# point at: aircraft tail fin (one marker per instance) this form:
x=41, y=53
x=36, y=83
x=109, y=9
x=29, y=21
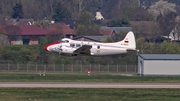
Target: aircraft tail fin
x=129, y=41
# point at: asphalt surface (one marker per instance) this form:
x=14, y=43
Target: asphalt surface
x=85, y=85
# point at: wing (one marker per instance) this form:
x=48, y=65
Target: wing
x=85, y=49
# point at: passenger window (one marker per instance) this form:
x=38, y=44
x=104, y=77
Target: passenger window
x=72, y=45
x=78, y=45
x=98, y=47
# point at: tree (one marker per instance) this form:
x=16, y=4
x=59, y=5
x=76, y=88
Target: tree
x=43, y=55
x=17, y=11
x=42, y=23
x=61, y=13
x=12, y=31
x=161, y=7
x=167, y=22
x=76, y=7
x=174, y=1
x=56, y=33
x=148, y=29
x=86, y=26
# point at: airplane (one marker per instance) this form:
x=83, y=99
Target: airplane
x=73, y=47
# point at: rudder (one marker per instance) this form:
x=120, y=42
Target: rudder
x=129, y=40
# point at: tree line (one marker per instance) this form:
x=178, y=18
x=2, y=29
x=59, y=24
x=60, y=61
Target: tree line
x=40, y=9
x=37, y=54
x=119, y=12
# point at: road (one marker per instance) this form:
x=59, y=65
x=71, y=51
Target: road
x=85, y=85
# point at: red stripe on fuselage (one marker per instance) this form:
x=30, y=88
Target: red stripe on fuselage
x=51, y=44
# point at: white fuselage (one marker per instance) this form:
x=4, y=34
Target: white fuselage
x=97, y=48
x=74, y=47
x=102, y=48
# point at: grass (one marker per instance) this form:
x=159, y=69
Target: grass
x=67, y=94
x=86, y=94
x=81, y=77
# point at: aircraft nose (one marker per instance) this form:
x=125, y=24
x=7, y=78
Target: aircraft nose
x=50, y=46
x=47, y=48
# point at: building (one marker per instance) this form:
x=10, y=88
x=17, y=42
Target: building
x=99, y=16
x=108, y=32
x=117, y=29
x=159, y=64
x=91, y=38
x=24, y=34
x=19, y=21
x=30, y=34
x=103, y=34
x=62, y=28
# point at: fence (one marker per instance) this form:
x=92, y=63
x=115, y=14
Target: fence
x=68, y=68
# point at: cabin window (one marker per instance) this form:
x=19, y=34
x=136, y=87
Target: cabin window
x=78, y=45
x=98, y=47
x=64, y=41
x=72, y=45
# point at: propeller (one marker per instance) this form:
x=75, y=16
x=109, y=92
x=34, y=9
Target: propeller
x=60, y=50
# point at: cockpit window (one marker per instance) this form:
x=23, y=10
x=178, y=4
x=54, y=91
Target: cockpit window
x=64, y=41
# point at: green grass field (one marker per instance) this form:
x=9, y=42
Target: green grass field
x=81, y=77
x=80, y=94
x=67, y=94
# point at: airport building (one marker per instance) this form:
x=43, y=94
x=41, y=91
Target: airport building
x=159, y=64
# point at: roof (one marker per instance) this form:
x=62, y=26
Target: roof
x=107, y=32
x=71, y=23
x=1, y=26
x=62, y=27
x=117, y=29
x=160, y=56
x=93, y=38
x=33, y=30
x=30, y=30
x=25, y=22
x=100, y=22
x=11, y=21
x=19, y=21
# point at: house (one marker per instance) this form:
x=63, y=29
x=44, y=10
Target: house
x=25, y=22
x=62, y=28
x=91, y=38
x=99, y=16
x=19, y=21
x=70, y=23
x=117, y=29
x=174, y=34
x=158, y=64
x=29, y=35
x=108, y=32
x=101, y=22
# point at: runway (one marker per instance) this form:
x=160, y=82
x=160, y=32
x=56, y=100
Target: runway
x=85, y=85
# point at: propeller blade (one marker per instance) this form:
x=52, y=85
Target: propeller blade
x=60, y=50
